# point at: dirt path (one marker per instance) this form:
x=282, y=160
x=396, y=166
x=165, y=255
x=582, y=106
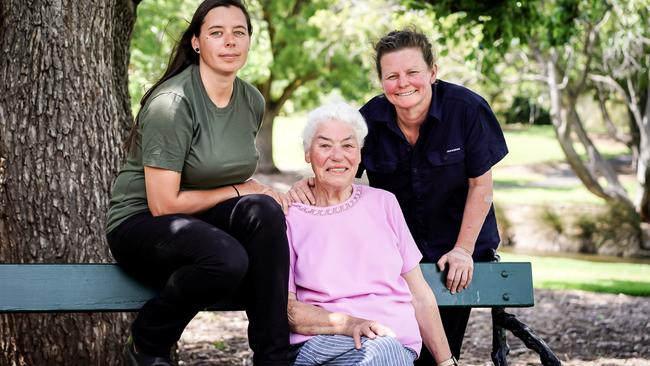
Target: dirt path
x=583, y=328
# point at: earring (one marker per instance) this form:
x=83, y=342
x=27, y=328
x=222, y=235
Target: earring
x=197, y=50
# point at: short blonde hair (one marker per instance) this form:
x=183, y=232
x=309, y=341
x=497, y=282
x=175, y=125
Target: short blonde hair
x=339, y=111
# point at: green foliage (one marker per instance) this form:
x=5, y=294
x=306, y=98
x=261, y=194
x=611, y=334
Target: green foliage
x=158, y=25
x=525, y=110
x=587, y=228
x=618, y=226
x=551, y=219
x=220, y=345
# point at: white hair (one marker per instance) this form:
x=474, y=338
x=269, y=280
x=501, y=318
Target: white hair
x=338, y=111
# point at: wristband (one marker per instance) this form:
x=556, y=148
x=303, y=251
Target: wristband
x=450, y=362
x=236, y=190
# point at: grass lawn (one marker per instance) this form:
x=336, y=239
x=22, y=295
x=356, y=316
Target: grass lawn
x=567, y=273
x=538, y=144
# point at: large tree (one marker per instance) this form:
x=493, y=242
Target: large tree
x=64, y=110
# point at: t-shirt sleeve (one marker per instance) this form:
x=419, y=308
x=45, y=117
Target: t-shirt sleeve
x=167, y=129
x=292, y=259
x=485, y=143
x=409, y=251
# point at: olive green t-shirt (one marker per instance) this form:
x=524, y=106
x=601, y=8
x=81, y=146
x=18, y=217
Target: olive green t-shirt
x=181, y=129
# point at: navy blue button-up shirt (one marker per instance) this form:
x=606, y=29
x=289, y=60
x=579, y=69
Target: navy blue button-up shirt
x=460, y=139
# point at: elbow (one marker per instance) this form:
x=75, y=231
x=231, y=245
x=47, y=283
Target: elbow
x=426, y=300
x=159, y=209
x=292, y=315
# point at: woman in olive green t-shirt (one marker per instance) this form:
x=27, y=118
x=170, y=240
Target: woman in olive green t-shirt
x=184, y=214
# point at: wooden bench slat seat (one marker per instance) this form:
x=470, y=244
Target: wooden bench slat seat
x=105, y=287
x=54, y=288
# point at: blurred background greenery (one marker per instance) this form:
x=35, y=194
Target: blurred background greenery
x=568, y=80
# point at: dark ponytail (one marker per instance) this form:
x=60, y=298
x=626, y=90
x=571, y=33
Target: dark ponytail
x=183, y=55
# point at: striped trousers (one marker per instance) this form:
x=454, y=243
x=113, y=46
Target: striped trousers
x=339, y=350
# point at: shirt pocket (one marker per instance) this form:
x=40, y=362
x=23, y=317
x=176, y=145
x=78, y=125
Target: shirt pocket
x=386, y=174
x=378, y=165
x=448, y=167
x=437, y=158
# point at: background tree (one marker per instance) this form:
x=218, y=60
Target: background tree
x=312, y=48
x=64, y=110
x=302, y=51
x=569, y=51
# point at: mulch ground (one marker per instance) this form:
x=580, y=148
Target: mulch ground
x=582, y=328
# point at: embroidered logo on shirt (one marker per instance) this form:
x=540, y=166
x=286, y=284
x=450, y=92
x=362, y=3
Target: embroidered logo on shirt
x=453, y=150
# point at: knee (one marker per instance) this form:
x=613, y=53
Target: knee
x=383, y=350
x=233, y=265
x=260, y=209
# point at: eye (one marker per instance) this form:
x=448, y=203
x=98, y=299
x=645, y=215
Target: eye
x=216, y=34
x=414, y=72
x=391, y=77
x=349, y=146
x=324, y=146
x=240, y=34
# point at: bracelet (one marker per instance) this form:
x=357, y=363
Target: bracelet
x=450, y=362
x=236, y=190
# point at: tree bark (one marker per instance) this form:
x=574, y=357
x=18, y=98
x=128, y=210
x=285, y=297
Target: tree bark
x=264, y=142
x=64, y=111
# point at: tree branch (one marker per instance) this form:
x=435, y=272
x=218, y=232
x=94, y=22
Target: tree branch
x=293, y=85
x=611, y=128
x=297, y=8
x=590, y=41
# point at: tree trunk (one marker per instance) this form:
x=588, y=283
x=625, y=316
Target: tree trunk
x=642, y=200
x=64, y=111
x=264, y=142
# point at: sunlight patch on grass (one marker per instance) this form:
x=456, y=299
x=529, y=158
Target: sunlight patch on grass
x=288, y=154
x=568, y=273
x=538, y=144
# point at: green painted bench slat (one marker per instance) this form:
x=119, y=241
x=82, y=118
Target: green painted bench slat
x=105, y=287
x=508, y=284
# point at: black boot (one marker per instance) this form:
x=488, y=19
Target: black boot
x=134, y=358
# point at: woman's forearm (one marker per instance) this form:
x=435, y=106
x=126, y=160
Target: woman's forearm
x=477, y=206
x=313, y=320
x=427, y=315
x=431, y=330
x=194, y=201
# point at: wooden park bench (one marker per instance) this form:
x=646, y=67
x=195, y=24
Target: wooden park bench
x=51, y=288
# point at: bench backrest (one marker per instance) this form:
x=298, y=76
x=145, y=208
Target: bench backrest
x=105, y=287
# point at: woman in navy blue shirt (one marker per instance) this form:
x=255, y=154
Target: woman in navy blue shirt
x=433, y=144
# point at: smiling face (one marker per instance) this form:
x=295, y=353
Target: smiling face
x=406, y=79
x=224, y=41
x=334, y=155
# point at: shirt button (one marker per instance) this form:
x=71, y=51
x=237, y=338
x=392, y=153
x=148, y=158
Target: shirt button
x=445, y=157
x=415, y=170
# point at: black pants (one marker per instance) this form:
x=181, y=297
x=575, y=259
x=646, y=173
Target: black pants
x=454, y=320
x=238, y=247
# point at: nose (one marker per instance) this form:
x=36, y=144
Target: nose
x=337, y=153
x=402, y=81
x=229, y=40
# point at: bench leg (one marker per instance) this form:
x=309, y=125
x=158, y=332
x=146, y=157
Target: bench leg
x=502, y=320
x=500, y=347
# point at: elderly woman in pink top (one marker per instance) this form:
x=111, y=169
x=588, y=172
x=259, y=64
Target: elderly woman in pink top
x=356, y=292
